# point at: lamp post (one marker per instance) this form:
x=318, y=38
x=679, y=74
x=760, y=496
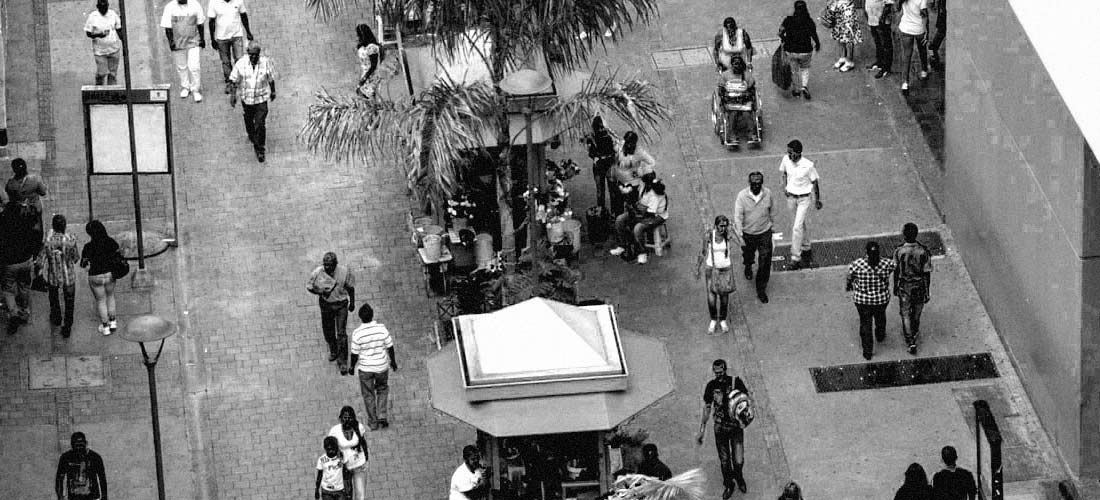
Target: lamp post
x=141, y=276
x=527, y=83
x=144, y=329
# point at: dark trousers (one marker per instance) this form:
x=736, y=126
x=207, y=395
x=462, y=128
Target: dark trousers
x=867, y=314
x=69, y=294
x=600, y=166
x=730, y=441
x=941, y=32
x=255, y=123
x=911, y=299
x=760, y=246
x=884, y=46
x=334, y=326
x=375, y=388
x=631, y=230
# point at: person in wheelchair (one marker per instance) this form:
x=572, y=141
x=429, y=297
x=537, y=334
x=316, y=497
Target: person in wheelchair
x=737, y=91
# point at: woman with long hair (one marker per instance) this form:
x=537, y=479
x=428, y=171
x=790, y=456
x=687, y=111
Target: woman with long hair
x=916, y=485
x=369, y=52
x=845, y=30
x=716, y=256
x=791, y=492
x=349, y=436
x=731, y=42
x=798, y=34
x=59, y=257
x=97, y=256
x=913, y=29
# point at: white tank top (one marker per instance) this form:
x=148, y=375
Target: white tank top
x=731, y=47
x=718, y=255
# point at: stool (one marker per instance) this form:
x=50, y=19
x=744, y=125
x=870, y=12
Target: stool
x=658, y=239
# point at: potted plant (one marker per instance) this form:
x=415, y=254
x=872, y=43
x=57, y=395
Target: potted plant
x=460, y=209
x=629, y=440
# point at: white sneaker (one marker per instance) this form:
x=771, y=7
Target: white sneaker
x=105, y=329
x=710, y=328
x=197, y=95
x=838, y=63
x=184, y=93
x=923, y=75
x=725, y=326
x=617, y=251
x=113, y=325
x=643, y=258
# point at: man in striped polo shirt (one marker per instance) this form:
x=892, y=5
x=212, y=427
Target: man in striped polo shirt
x=372, y=356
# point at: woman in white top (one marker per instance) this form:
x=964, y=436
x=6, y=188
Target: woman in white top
x=716, y=256
x=913, y=28
x=370, y=55
x=349, y=435
x=732, y=42
x=633, y=163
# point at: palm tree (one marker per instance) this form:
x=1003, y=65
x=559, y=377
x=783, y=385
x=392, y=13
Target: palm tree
x=429, y=132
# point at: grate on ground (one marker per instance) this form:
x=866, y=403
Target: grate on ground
x=843, y=252
x=903, y=372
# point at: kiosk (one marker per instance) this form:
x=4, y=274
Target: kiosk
x=543, y=382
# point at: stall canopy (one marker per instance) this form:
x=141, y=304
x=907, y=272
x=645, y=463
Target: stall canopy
x=548, y=368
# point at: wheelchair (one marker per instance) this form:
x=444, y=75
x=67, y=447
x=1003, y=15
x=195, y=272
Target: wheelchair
x=733, y=102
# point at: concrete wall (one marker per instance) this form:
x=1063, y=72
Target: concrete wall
x=1090, y=330
x=1015, y=203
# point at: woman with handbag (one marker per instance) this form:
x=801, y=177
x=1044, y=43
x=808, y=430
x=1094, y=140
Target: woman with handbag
x=59, y=257
x=349, y=436
x=798, y=33
x=100, y=256
x=840, y=17
x=716, y=256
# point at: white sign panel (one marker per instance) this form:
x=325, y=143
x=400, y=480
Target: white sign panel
x=111, y=138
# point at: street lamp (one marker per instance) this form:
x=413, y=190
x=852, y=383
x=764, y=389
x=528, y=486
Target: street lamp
x=144, y=329
x=528, y=83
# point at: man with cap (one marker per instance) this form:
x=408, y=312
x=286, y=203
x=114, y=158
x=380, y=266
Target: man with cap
x=253, y=80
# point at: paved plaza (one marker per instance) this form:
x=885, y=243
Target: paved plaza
x=246, y=389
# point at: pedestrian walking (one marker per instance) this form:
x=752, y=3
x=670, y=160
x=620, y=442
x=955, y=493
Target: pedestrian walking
x=953, y=482
x=182, y=21
x=58, y=263
x=468, y=481
x=652, y=465
x=80, y=472
x=103, y=27
x=802, y=187
x=916, y=485
x=98, y=256
x=25, y=189
x=940, y=6
x=716, y=256
x=330, y=472
x=349, y=437
x=228, y=30
x=732, y=42
x=791, y=492
x=253, y=78
x=868, y=279
x=753, y=218
x=372, y=358
x=879, y=13
x=334, y=286
x=370, y=55
x=642, y=217
x=840, y=17
x=20, y=242
x=798, y=35
x=729, y=436
x=913, y=29
x=912, y=281
x=601, y=149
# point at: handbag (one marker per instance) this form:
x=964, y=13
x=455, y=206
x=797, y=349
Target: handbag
x=721, y=280
x=827, y=17
x=781, y=69
x=118, y=265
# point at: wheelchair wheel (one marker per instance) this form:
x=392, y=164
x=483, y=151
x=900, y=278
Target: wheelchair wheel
x=715, y=107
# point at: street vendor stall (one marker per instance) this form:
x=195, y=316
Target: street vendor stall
x=543, y=382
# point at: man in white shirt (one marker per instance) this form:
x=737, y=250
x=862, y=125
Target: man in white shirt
x=228, y=29
x=469, y=481
x=182, y=21
x=802, y=187
x=103, y=27
x=649, y=212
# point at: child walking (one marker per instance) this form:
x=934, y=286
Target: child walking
x=330, y=472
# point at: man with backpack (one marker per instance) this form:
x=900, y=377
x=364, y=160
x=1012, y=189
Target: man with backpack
x=729, y=427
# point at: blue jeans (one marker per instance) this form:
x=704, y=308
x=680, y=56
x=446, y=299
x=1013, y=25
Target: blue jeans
x=15, y=283
x=230, y=51
x=375, y=388
x=631, y=230
x=730, y=440
x=907, y=43
x=800, y=67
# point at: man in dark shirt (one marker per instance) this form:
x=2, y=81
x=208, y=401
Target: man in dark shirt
x=953, y=482
x=912, y=278
x=601, y=148
x=729, y=437
x=652, y=465
x=20, y=241
x=80, y=473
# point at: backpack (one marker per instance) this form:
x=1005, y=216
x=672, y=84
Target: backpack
x=740, y=405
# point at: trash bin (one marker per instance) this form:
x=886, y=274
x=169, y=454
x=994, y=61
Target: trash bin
x=599, y=224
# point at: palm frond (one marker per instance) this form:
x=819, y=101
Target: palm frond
x=556, y=27
x=347, y=127
x=684, y=486
x=635, y=102
x=329, y=9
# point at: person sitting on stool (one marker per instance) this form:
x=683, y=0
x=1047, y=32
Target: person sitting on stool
x=650, y=211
